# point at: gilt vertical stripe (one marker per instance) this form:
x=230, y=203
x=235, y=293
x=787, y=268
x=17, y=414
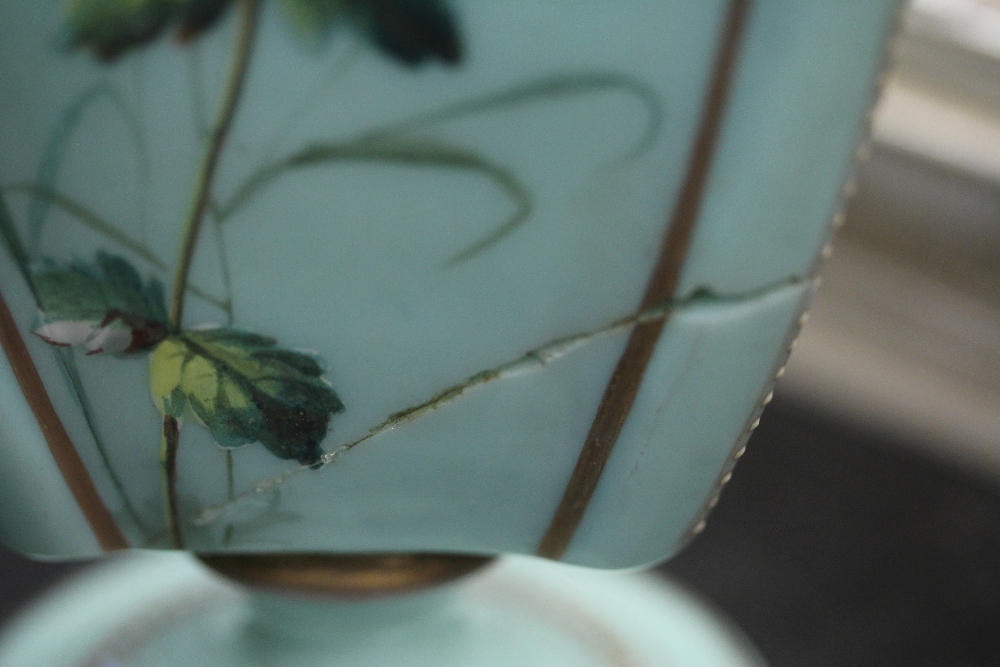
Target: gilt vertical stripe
x=623, y=386
x=108, y=535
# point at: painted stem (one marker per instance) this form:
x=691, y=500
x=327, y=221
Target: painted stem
x=200, y=201
x=227, y=535
x=213, y=152
x=169, y=440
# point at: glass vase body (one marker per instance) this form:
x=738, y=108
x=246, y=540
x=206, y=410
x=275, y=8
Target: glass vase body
x=517, y=278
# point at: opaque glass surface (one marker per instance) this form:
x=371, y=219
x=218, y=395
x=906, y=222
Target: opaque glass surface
x=455, y=253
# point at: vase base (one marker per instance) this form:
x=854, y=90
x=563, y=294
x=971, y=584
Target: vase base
x=345, y=576
x=154, y=610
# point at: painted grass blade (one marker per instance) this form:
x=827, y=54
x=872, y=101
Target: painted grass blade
x=67, y=363
x=417, y=153
x=539, y=90
x=58, y=145
x=92, y=220
x=15, y=247
x=88, y=218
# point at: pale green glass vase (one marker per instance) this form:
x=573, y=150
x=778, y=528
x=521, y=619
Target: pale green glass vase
x=350, y=277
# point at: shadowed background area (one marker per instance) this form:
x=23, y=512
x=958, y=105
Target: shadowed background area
x=838, y=546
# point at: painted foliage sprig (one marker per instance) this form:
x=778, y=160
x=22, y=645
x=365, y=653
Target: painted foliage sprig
x=239, y=385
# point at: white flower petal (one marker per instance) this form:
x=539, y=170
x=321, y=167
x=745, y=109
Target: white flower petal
x=67, y=332
x=114, y=340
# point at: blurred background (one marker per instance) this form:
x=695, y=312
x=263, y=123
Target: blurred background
x=863, y=525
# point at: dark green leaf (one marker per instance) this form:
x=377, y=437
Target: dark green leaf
x=244, y=389
x=111, y=27
x=411, y=31
x=198, y=16
x=103, y=306
x=301, y=363
x=82, y=291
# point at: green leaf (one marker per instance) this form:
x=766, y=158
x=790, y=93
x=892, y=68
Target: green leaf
x=243, y=389
x=111, y=27
x=103, y=306
x=197, y=16
x=409, y=31
x=82, y=291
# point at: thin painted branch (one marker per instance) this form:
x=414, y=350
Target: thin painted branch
x=542, y=89
x=169, y=441
x=408, y=152
x=200, y=203
x=216, y=141
x=227, y=535
x=88, y=218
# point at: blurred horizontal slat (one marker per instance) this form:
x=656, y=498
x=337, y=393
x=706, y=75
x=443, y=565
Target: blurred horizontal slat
x=905, y=332
x=891, y=349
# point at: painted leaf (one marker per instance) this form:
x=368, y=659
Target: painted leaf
x=112, y=27
x=103, y=307
x=196, y=16
x=411, y=31
x=244, y=389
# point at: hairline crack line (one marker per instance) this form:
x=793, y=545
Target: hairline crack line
x=534, y=359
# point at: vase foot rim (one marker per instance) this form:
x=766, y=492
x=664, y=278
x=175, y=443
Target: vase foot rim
x=349, y=576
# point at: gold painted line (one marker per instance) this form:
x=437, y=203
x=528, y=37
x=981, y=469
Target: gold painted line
x=566, y=615
x=139, y=629
x=108, y=535
x=621, y=391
